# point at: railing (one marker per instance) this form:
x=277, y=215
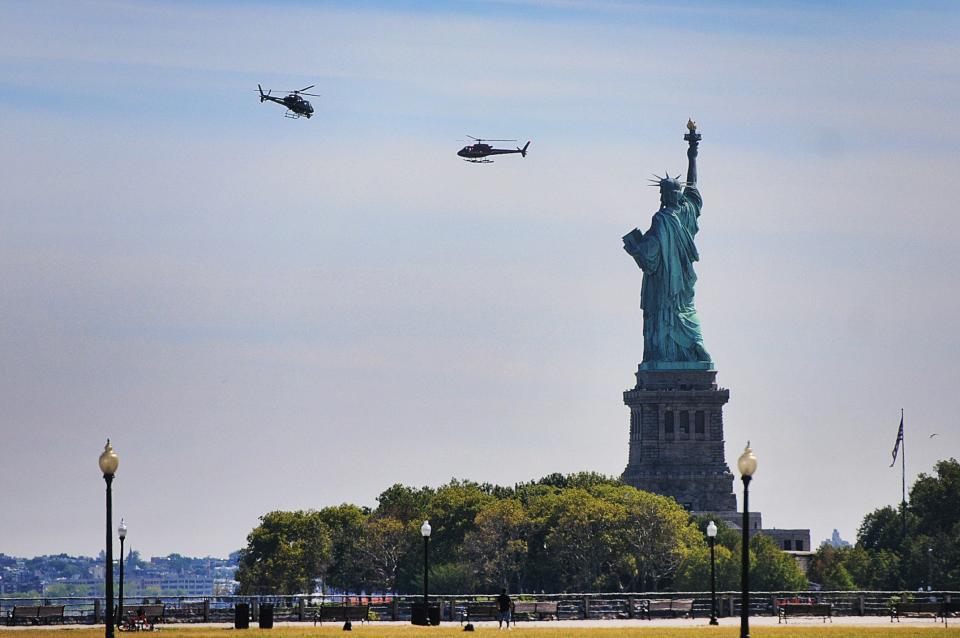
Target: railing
x=599, y=606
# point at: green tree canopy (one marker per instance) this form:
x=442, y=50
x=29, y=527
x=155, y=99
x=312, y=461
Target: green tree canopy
x=496, y=547
x=285, y=554
x=935, y=500
x=578, y=532
x=773, y=569
x=406, y=504
x=452, y=511
x=346, y=523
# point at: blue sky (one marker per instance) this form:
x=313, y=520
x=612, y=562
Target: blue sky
x=235, y=298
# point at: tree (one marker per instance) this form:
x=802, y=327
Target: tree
x=659, y=535
x=772, y=569
x=828, y=569
x=608, y=537
x=496, y=549
x=935, y=500
x=386, y=542
x=694, y=571
x=451, y=578
x=346, y=523
x=858, y=565
x=452, y=511
x=540, y=503
x=285, y=554
x=884, y=572
x=405, y=504
x=583, y=539
x=883, y=529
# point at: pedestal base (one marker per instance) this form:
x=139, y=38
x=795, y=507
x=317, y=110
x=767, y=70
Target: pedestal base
x=676, y=438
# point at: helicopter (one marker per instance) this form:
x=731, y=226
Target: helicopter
x=478, y=152
x=296, y=105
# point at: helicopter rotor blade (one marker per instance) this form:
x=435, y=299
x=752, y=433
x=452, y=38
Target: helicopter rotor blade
x=306, y=88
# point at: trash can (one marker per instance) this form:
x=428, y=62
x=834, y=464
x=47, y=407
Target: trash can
x=266, y=616
x=418, y=614
x=241, y=616
x=422, y=615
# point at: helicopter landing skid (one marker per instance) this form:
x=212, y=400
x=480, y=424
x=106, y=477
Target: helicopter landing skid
x=479, y=161
x=292, y=115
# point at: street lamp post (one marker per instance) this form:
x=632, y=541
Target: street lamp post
x=425, y=532
x=712, y=539
x=122, y=533
x=108, y=465
x=747, y=464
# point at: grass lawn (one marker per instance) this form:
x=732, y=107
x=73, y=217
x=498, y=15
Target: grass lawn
x=409, y=631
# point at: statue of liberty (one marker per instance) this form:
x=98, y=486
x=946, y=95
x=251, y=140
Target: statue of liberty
x=665, y=253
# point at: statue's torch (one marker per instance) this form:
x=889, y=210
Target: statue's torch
x=692, y=137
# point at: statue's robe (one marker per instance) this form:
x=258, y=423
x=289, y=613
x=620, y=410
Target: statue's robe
x=665, y=253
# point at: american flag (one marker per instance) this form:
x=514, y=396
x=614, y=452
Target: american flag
x=896, y=446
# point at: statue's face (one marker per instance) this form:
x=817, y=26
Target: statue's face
x=669, y=197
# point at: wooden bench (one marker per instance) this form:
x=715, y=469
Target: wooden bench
x=152, y=612
x=786, y=610
x=35, y=614
x=669, y=606
x=480, y=611
x=535, y=609
x=48, y=613
x=341, y=613
x=916, y=610
x=22, y=612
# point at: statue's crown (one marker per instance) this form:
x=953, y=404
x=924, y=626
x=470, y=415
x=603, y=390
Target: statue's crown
x=667, y=183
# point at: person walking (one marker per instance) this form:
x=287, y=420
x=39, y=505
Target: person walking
x=504, y=605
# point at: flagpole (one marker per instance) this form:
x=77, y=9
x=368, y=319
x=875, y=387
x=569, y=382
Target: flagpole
x=903, y=478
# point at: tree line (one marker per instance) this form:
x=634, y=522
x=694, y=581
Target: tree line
x=563, y=533
x=901, y=548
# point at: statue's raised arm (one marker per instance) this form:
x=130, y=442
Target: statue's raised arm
x=693, y=138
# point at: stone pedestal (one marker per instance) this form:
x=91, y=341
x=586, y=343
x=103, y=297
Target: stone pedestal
x=676, y=438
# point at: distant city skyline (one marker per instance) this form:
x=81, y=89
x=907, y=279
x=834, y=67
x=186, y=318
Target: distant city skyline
x=61, y=575
x=264, y=313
